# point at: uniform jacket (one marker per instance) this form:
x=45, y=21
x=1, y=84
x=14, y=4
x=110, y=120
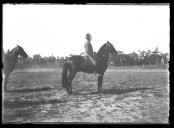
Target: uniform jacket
x=88, y=49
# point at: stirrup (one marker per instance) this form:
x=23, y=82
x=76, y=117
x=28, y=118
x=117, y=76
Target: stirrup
x=97, y=74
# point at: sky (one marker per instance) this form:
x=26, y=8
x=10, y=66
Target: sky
x=60, y=30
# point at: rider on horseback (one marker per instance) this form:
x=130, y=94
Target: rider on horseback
x=89, y=52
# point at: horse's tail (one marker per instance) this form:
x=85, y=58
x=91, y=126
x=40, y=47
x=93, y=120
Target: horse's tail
x=64, y=74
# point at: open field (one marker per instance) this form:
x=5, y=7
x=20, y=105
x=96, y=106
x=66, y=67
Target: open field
x=130, y=94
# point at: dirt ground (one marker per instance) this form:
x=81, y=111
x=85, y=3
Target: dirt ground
x=130, y=95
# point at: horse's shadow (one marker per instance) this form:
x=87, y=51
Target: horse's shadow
x=30, y=90
x=114, y=91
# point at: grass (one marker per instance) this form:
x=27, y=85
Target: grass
x=130, y=95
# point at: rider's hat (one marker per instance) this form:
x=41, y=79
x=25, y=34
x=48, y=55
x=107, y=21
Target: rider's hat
x=88, y=36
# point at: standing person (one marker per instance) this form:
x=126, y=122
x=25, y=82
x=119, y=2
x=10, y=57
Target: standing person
x=89, y=52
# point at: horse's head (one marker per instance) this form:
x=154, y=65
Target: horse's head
x=110, y=48
x=21, y=52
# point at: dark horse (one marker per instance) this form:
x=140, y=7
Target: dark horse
x=79, y=63
x=9, y=62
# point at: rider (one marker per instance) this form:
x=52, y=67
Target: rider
x=89, y=52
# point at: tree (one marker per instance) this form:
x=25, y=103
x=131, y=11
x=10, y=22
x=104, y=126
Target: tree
x=37, y=59
x=156, y=50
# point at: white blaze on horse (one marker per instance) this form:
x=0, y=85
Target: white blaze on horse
x=9, y=62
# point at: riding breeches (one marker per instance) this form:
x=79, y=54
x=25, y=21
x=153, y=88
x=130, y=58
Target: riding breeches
x=93, y=61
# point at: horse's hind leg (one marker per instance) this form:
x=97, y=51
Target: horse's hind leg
x=3, y=96
x=70, y=79
x=3, y=86
x=5, y=80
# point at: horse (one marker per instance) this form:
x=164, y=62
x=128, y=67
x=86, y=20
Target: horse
x=9, y=62
x=79, y=63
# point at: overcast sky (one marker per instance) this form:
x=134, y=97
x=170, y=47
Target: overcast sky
x=60, y=29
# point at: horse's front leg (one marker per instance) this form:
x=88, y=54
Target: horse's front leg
x=100, y=80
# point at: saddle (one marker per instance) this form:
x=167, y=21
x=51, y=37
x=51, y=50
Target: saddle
x=87, y=59
x=95, y=55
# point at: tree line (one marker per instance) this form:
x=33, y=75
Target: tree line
x=138, y=59
x=122, y=59
x=36, y=61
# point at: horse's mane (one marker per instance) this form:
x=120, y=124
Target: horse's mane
x=11, y=52
x=102, y=48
